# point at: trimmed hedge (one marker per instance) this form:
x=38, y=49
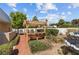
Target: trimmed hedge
x=36, y=45
x=66, y=26
x=7, y=49
x=15, y=41
x=52, y=32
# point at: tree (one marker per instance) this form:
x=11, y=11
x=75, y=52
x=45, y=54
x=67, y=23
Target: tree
x=34, y=18
x=61, y=22
x=75, y=22
x=67, y=24
x=17, y=19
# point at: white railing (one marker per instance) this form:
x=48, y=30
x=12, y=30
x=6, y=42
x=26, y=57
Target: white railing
x=61, y=30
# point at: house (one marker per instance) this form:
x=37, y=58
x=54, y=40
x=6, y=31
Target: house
x=5, y=25
x=6, y=33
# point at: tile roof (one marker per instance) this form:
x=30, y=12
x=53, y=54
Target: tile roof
x=4, y=17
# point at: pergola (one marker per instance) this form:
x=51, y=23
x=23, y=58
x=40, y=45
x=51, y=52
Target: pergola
x=38, y=24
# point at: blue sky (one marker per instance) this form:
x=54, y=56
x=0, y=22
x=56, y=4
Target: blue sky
x=52, y=11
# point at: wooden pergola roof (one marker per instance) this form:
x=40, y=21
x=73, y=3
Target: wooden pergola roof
x=35, y=23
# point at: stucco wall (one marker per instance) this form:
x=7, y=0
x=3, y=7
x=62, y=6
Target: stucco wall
x=5, y=27
x=10, y=35
x=3, y=38
x=6, y=36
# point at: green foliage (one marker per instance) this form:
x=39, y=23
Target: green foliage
x=30, y=26
x=17, y=19
x=15, y=41
x=66, y=25
x=36, y=45
x=61, y=21
x=34, y=18
x=57, y=39
x=7, y=49
x=52, y=32
x=65, y=50
x=75, y=22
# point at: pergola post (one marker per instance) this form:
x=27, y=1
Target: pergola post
x=26, y=27
x=45, y=32
x=36, y=38
x=45, y=29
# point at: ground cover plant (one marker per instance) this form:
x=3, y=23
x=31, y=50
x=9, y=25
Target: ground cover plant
x=7, y=48
x=36, y=45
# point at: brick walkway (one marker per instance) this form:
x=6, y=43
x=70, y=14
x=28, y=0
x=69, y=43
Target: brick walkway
x=23, y=46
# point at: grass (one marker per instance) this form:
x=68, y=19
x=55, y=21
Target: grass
x=15, y=41
x=36, y=45
x=7, y=48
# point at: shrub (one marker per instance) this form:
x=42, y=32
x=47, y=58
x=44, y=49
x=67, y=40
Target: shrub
x=52, y=32
x=58, y=39
x=65, y=50
x=7, y=49
x=36, y=45
x=55, y=39
x=67, y=25
x=15, y=41
x=30, y=26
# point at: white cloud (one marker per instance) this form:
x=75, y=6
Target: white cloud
x=69, y=7
x=12, y=4
x=25, y=10
x=46, y=6
x=14, y=9
x=39, y=6
x=27, y=16
x=30, y=3
x=63, y=13
x=75, y=5
x=42, y=18
x=69, y=13
x=50, y=6
x=52, y=18
x=63, y=17
x=43, y=11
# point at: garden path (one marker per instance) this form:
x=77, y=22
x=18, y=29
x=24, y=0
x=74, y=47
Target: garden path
x=23, y=46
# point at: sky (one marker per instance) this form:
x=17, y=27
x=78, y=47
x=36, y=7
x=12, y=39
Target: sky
x=51, y=11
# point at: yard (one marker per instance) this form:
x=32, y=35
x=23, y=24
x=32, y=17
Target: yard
x=49, y=46
x=55, y=50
